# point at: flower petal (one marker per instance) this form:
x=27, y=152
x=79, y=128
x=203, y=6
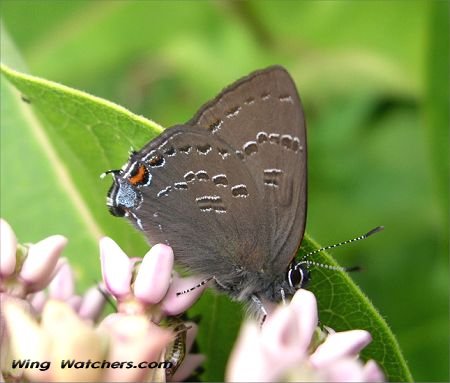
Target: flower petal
x=8, y=244
x=92, y=304
x=343, y=370
x=133, y=338
x=372, y=372
x=174, y=304
x=248, y=362
x=74, y=302
x=38, y=267
x=153, y=278
x=71, y=338
x=28, y=340
x=188, y=366
x=305, y=304
x=116, y=268
x=281, y=339
x=38, y=300
x=346, y=344
x=62, y=285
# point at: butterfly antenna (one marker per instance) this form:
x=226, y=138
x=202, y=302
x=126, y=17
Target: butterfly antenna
x=328, y=267
x=106, y=296
x=361, y=237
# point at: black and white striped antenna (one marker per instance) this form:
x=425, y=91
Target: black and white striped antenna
x=361, y=237
x=303, y=260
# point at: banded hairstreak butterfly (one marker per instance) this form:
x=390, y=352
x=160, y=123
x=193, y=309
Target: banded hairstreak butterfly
x=227, y=189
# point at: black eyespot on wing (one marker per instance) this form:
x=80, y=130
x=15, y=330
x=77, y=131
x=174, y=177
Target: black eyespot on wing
x=239, y=191
x=286, y=141
x=262, y=137
x=298, y=276
x=295, y=277
x=170, y=151
x=156, y=160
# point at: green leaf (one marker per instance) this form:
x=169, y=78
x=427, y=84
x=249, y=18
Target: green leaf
x=31, y=188
x=343, y=306
x=437, y=112
x=84, y=136
x=89, y=135
x=220, y=319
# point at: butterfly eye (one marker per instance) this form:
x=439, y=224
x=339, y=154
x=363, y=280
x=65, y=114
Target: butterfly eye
x=114, y=208
x=297, y=276
x=117, y=211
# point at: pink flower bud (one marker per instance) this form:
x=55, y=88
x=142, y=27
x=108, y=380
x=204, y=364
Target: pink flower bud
x=340, y=345
x=62, y=286
x=174, y=304
x=92, y=304
x=116, y=268
x=39, y=265
x=8, y=244
x=153, y=278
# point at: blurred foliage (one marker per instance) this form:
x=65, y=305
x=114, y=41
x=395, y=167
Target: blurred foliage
x=373, y=77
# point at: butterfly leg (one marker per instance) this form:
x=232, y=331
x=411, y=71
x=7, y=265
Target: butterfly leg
x=195, y=287
x=138, y=220
x=261, y=308
x=283, y=296
x=221, y=285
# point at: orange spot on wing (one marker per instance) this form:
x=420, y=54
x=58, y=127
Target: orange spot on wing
x=139, y=176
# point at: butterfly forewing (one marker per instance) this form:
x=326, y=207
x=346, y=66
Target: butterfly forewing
x=262, y=119
x=201, y=201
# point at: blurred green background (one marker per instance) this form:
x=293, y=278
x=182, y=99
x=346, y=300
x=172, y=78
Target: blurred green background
x=373, y=77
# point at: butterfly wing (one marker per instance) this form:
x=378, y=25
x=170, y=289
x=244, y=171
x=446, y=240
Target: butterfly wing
x=261, y=118
x=201, y=201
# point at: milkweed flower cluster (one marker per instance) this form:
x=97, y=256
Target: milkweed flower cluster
x=148, y=287
x=45, y=321
x=152, y=289
x=291, y=347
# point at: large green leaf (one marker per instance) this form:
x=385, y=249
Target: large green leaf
x=84, y=136
x=89, y=135
x=32, y=187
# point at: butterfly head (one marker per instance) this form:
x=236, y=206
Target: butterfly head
x=123, y=196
